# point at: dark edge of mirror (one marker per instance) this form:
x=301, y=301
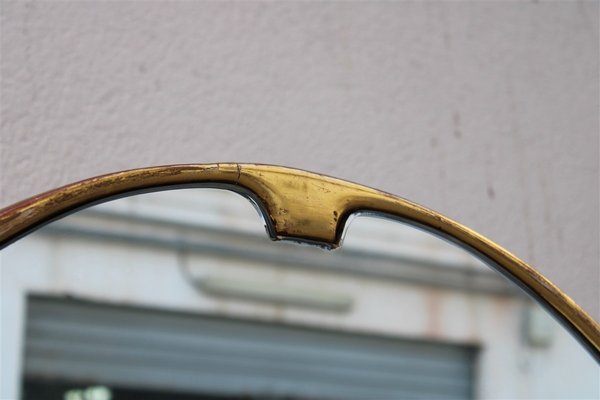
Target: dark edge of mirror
x=493, y=265
x=247, y=194
x=341, y=228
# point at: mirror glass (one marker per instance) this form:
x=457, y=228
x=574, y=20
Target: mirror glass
x=182, y=295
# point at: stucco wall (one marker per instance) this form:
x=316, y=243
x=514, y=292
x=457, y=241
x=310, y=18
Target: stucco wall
x=487, y=112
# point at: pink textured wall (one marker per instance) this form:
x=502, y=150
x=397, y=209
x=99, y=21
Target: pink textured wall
x=486, y=112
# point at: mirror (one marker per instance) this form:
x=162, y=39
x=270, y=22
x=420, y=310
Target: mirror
x=181, y=294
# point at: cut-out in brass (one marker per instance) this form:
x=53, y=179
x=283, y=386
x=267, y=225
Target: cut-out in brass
x=301, y=206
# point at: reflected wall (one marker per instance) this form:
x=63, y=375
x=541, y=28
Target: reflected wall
x=185, y=293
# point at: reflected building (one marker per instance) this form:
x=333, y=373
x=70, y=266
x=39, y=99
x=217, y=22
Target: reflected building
x=181, y=294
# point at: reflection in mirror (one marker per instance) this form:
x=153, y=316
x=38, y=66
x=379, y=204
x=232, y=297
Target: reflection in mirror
x=181, y=294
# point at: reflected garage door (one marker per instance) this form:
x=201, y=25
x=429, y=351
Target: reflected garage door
x=79, y=349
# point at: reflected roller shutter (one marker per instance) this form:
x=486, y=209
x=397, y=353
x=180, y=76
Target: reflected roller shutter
x=140, y=348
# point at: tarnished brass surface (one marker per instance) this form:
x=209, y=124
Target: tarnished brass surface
x=299, y=205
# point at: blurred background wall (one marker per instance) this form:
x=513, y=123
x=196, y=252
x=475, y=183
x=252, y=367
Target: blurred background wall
x=486, y=112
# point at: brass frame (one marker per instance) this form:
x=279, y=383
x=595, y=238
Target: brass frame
x=297, y=205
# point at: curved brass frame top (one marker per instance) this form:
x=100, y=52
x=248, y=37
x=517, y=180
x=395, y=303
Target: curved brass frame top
x=301, y=206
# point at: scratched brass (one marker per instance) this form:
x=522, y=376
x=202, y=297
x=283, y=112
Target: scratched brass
x=299, y=205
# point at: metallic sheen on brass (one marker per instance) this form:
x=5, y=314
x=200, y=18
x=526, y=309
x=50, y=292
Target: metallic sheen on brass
x=299, y=205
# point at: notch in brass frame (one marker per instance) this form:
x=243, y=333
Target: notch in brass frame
x=297, y=205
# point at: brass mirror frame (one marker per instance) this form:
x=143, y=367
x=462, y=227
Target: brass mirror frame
x=297, y=205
